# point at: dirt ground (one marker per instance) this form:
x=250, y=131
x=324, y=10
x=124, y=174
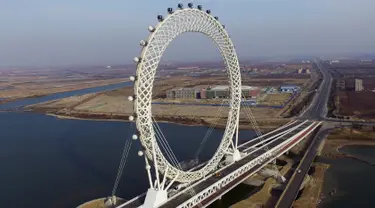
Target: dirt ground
x=115, y=104
x=25, y=89
x=357, y=104
x=263, y=197
x=310, y=197
x=275, y=99
x=99, y=203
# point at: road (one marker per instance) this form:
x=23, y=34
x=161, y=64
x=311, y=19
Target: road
x=318, y=107
x=291, y=191
x=198, y=187
x=316, y=111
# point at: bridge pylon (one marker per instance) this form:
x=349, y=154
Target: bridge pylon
x=234, y=155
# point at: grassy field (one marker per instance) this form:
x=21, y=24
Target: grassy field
x=275, y=99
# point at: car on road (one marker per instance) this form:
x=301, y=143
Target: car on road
x=299, y=171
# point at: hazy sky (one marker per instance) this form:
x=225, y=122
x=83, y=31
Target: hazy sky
x=68, y=32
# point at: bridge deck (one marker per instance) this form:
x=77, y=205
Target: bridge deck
x=255, y=141
x=278, y=135
x=185, y=194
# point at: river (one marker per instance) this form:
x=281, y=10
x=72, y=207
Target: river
x=49, y=162
x=29, y=101
x=349, y=182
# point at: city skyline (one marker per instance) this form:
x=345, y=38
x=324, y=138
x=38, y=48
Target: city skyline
x=51, y=33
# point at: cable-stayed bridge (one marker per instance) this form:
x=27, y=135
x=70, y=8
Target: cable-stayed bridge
x=254, y=158
x=171, y=185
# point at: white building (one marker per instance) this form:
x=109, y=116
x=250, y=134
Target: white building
x=358, y=85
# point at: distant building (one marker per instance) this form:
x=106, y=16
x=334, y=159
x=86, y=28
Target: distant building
x=358, y=85
x=249, y=102
x=341, y=84
x=223, y=92
x=254, y=93
x=183, y=93
x=303, y=71
x=289, y=88
x=334, y=62
x=369, y=61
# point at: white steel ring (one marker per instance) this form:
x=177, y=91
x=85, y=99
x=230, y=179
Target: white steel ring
x=181, y=21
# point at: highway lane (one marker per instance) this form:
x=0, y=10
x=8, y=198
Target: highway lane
x=275, y=133
x=318, y=107
x=138, y=201
x=317, y=111
x=185, y=195
x=291, y=191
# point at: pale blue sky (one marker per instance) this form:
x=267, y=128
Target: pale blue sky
x=69, y=32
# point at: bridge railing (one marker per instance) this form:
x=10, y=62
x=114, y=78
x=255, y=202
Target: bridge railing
x=269, y=156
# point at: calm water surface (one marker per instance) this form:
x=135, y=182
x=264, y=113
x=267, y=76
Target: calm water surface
x=353, y=180
x=48, y=162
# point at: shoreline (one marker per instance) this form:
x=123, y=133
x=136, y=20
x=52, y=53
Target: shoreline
x=364, y=143
x=354, y=157
x=173, y=120
x=60, y=91
x=27, y=97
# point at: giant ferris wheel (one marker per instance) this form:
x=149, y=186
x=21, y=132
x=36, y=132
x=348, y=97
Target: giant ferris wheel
x=177, y=23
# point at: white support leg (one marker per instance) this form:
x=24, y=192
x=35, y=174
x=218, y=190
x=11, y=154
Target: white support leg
x=148, y=167
x=155, y=164
x=235, y=155
x=158, y=191
x=238, y=124
x=154, y=198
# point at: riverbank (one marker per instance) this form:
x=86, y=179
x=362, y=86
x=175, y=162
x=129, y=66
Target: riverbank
x=330, y=151
x=20, y=94
x=311, y=195
x=264, y=126
x=344, y=137
x=264, y=197
x=113, y=105
x=20, y=98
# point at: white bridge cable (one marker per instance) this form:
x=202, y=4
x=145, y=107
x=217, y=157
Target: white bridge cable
x=167, y=149
x=209, y=131
x=165, y=145
x=123, y=161
x=250, y=115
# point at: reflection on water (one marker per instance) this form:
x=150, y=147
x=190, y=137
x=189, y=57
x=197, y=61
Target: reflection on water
x=349, y=182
